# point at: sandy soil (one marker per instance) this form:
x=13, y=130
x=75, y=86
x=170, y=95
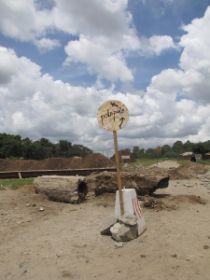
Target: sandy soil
x=167, y=164
x=64, y=241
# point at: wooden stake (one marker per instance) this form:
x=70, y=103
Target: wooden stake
x=119, y=183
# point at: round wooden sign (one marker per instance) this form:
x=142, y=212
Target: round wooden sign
x=112, y=115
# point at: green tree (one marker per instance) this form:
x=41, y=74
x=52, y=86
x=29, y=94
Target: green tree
x=199, y=149
x=165, y=150
x=136, y=152
x=10, y=145
x=178, y=147
x=188, y=146
x=150, y=153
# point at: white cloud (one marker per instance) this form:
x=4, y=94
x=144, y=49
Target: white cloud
x=191, y=80
x=20, y=19
x=26, y=21
x=46, y=44
x=175, y=105
x=100, y=29
x=36, y=105
x=99, y=59
x=105, y=31
x=107, y=18
x=196, y=42
x=157, y=44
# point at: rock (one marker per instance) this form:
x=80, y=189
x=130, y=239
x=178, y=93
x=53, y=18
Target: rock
x=118, y=245
x=145, y=182
x=123, y=233
x=71, y=189
x=74, y=199
x=149, y=202
x=41, y=209
x=130, y=220
x=107, y=231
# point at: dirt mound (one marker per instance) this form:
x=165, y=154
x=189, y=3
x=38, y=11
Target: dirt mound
x=143, y=183
x=192, y=199
x=171, y=202
x=90, y=161
x=96, y=160
x=187, y=171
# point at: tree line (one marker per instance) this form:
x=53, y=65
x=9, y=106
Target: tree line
x=171, y=151
x=14, y=146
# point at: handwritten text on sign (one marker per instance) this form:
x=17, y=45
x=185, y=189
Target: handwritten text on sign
x=112, y=115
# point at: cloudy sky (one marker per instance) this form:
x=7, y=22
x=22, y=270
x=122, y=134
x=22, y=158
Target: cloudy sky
x=61, y=59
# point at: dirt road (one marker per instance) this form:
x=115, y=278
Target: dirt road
x=64, y=241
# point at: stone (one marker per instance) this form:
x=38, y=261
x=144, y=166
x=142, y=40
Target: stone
x=74, y=199
x=107, y=231
x=130, y=220
x=70, y=189
x=149, y=201
x=118, y=245
x=122, y=233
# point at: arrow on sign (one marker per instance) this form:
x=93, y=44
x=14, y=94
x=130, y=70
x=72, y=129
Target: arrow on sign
x=121, y=122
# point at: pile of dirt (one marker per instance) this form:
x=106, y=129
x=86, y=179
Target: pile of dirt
x=96, y=160
x=143, y=182
x=170, y=202
x=189, y=170
x=90, y=161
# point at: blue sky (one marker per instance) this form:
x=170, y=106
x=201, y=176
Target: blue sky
x=61, y=59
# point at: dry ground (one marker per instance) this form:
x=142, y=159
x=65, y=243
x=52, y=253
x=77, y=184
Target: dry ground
x=64, y=241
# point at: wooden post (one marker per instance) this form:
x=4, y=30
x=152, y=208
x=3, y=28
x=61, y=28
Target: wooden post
x=113, y=115
x=119, y=183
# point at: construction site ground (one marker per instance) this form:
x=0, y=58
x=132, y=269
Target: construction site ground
x=41, y=239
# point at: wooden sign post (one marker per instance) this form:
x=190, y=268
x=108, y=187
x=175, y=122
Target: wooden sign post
x=113, y=115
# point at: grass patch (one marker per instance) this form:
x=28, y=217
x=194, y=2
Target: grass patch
x=205, y=162
x=14, y=183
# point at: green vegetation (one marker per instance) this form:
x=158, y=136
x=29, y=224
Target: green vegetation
x=14, y=183
x=172, y=152
x=13, y=146
x=206, y=162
